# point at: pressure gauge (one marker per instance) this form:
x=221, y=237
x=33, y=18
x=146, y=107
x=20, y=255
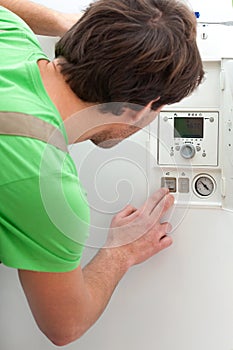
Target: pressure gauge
x=204, y=185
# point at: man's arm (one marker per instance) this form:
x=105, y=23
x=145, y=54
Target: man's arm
x=41, y=20
x=65, y=305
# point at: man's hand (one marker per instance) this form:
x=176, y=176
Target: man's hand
x=138, y=234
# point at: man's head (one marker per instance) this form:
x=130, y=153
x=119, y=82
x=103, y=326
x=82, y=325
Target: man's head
x=132, y=51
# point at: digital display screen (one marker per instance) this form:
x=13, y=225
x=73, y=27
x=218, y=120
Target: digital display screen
x=188, y=127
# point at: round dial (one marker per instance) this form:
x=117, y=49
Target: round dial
x=204, y=185
x=187, y=151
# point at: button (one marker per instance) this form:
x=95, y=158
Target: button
x=183, y=185
x=177, y=148
x=165, y=119
x=169, y=182
x=187, y=151
x=198, y=148
x=203, y=154
x=211, y=119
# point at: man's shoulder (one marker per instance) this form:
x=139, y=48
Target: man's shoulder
x=10, y=20
x=14, y=26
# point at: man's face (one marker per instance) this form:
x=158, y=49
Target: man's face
x=116, y=132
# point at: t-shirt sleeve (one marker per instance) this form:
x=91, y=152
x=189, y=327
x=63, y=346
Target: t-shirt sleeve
x=9, y=20
x=44, y=223
x=17, y=30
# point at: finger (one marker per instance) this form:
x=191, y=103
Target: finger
x=128, y=210
x=153, y=200
x=166, y=227
x=162, y=230
x=165, y=242
x=162, y=207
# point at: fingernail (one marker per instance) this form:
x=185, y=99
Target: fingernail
x=166, y=189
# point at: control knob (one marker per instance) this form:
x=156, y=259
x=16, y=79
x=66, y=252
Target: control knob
x=187, y=151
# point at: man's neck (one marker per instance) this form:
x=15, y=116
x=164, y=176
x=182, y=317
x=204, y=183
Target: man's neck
x=66, y=102
x=80, y=124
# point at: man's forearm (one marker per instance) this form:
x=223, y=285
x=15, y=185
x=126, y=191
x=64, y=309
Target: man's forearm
x=101, y=277
x=41, y=20
x=71, y=302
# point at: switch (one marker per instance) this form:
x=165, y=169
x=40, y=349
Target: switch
x=183, y=185
x=169, y=182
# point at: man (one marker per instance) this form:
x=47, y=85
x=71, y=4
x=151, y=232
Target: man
x=114, y=70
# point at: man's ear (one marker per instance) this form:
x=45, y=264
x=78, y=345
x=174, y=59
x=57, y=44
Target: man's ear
x=146, y=113
x=134, y=117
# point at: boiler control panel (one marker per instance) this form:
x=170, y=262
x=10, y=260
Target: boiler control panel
x=188, y=138
x=188, y=156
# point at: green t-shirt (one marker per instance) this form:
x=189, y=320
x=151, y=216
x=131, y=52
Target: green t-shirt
x=44, y=215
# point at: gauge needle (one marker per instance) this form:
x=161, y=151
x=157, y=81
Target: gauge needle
x=206, y=187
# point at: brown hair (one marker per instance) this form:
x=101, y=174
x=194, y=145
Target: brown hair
x=132, y=51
